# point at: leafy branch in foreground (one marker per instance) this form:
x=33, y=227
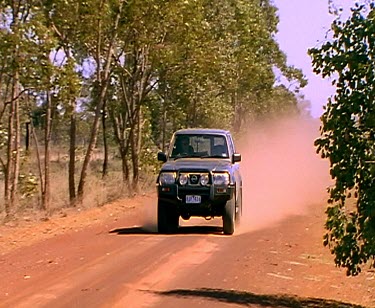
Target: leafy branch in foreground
x=347, y=138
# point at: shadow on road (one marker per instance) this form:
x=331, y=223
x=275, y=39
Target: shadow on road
x=248, y=298
x=181, y=230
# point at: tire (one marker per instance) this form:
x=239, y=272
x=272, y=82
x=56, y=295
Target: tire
x=167, y=219
x=229, y=217
x=239, y=208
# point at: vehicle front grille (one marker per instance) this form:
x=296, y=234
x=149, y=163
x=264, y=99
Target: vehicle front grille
x=194, y=179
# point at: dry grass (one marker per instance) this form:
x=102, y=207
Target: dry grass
x=98, y=191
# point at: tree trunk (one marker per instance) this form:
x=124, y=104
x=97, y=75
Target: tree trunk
x=72, y=156
x=103, y=92
x=27, y=137
x=125, y=167
x=17, y=142
x=13, y=150
x=136, y=143
x=9, y=162
x=41, y=177
x=105, y=143
x=119, y=122
x=164, y=126
x=92, y=142
x=134, y=158
x=47, y=138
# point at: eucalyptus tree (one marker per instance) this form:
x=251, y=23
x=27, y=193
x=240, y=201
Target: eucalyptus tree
x=143, y=51
x=26, y=37
x=347, y=138
x=224, y=55
x=64, y=20
x=188, y=91
x=10, y=33
x=69, y=88
x=139, y=48
x=39, y=74
x=87, y=32
x=282, y=101
x=251, y=56
x=99, y=43
x=5, y=86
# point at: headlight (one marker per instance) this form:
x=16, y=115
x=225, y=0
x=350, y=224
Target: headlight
x=167, y=178
x=204, y=179
x=221, y=179
x=183, y=179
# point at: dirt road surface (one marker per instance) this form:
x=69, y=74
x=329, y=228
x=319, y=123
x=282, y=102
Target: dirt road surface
x=112, y=257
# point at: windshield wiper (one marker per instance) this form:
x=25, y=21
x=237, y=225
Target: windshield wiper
x=213, y=156
x=194, y=155
x=181, y=156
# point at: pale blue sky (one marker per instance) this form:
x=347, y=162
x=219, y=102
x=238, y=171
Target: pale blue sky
x=304, y=24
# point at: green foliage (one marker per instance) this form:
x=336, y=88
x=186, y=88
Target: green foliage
x=167, y=64
x=347, y=138
x=280, y=102
x=218, y=60
x=67, y=84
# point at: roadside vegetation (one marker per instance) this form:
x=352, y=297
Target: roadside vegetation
x=91, y=90
x=348, y=135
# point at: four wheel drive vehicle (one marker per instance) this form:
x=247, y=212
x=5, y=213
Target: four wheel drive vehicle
x=200, y=177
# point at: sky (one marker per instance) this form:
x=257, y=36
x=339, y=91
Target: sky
x=303, y=25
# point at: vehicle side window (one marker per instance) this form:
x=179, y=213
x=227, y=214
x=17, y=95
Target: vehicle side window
x=231, y=144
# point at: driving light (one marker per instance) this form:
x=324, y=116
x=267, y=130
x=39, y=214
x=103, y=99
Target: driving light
x=167, y=178
x=221, y=179
x=204, y=179
x=183, y=179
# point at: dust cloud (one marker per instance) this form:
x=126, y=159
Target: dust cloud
x=282, y=174
x=149, y=215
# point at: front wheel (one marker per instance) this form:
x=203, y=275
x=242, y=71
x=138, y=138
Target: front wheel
x=167, y=218
x=229, y=217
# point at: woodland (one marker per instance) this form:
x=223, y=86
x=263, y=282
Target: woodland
x=96, y=88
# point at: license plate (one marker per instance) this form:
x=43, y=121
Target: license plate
x=193, y=199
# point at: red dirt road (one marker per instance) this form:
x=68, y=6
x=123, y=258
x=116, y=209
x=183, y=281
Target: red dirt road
x=111, y=257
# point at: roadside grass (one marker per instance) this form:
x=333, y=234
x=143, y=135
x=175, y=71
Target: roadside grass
x=98, y=190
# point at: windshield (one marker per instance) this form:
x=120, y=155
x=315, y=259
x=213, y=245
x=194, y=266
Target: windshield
x=204, y=146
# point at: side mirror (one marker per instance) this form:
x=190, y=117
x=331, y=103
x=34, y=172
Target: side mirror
x=236, y=158
x=162, y=157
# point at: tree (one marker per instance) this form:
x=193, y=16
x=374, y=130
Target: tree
x=347, y=138
x=62, y=18
x=103, y=57
x=25, y=46
x=86, y=31
x=217, y=66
